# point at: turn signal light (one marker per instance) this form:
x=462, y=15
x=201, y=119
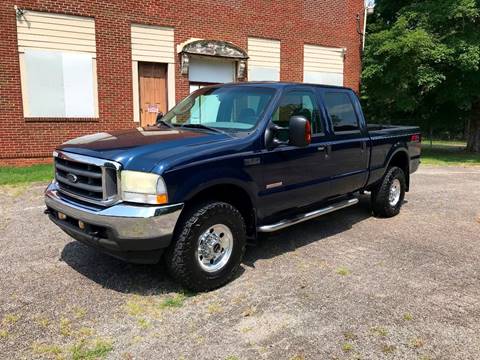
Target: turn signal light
x=162, y=199
x=308, y=132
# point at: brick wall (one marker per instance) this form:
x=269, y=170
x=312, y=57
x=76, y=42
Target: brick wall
x=293, y=22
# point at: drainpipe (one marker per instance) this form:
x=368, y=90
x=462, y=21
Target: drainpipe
x=369, y=8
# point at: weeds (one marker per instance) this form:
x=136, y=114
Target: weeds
x=343, y=271
x=97, y=349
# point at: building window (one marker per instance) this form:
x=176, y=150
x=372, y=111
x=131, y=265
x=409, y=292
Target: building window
x=264, y=60
x=59, y=84
x=57, y=65
x=323, y=65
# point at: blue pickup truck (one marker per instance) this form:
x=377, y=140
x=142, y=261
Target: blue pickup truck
x=225, y=164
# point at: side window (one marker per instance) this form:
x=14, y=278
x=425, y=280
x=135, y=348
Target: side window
x=298, y=103
x=341, y=111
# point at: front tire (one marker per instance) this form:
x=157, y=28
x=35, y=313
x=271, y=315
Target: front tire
x=208, y=246
x=388, y=197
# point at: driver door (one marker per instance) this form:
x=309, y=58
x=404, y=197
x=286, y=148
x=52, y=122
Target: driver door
x=290, y=177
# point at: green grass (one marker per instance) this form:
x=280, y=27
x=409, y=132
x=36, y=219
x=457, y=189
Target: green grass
x=175, y=301
x=446, y=153
x=96, y=350
x=10, y=175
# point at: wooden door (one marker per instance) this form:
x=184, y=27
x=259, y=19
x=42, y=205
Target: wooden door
x=153, y=91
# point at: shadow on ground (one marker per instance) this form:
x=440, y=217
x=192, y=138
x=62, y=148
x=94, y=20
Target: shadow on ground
x=123, y=277
x=275, y=244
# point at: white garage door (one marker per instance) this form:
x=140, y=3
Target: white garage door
x=323, y=65
x=211, y=70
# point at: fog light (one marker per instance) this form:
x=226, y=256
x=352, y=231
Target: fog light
x=62, y=216
x=81, y=225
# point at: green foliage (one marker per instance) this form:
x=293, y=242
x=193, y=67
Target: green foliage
x=422, y=62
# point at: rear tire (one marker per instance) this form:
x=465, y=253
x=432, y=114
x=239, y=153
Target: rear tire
x=208, y=246
x=388, y=197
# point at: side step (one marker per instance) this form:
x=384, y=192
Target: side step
x=307, y=216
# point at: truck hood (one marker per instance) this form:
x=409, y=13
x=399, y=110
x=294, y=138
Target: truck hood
x=141, y=149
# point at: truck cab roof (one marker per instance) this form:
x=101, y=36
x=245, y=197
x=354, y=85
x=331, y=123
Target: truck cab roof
x=280, y=85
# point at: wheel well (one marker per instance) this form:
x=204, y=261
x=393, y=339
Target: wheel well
x=233, y=195
x=401, y=160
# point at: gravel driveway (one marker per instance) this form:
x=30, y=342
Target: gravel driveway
x=344, y=286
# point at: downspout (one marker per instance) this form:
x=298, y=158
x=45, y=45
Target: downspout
x=368, y=10
x=364, y=27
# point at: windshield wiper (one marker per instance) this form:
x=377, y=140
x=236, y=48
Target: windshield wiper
x=164, y=123
x=201, y=126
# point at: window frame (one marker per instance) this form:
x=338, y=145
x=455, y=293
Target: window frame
x=327, y=113
x=313, y=93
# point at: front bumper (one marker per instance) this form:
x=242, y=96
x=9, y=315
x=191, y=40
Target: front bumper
x=134, y=233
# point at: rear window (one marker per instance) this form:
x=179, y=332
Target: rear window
x=341, y=111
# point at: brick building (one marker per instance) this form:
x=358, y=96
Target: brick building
x=69, y=68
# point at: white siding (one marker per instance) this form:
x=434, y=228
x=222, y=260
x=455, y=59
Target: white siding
x=323, y=65
x=264, y=59
x=153, y=44
x=47, y=31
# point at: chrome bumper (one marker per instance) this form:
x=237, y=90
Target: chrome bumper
x=124, y=221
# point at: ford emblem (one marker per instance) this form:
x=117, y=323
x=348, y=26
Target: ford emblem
x=72, y=178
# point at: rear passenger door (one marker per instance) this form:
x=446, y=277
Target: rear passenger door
x=349, y=151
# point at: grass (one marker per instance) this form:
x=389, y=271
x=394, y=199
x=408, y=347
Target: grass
x=99, y=349
x=347, y=347
x=144, y=323
x=10, y=319
x=65, y=327
x=379, y=331
x=388, y=349
x=175, y=301
x=444, y=153
x=350, y=336
x=343, y=271
x=47, y=349
x=10, y=175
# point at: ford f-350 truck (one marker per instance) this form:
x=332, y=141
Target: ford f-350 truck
x=225, y=164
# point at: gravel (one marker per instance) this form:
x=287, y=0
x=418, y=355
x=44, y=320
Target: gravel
x=344, y=286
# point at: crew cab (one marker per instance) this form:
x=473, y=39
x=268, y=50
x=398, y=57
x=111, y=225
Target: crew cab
x=225, y=164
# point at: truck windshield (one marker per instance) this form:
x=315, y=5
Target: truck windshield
x=226, y=108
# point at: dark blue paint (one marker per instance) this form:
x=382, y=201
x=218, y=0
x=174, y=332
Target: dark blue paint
x=194, y=160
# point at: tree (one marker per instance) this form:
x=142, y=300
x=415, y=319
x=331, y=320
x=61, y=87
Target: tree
x=422, y=63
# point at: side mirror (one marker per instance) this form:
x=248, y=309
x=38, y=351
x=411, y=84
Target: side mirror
x=159, y=117
x=300, y=132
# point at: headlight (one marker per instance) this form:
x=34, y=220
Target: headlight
x=141, y=187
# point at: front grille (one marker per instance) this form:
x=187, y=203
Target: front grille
x=86, y=178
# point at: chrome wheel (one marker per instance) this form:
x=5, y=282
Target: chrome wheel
x=395, y=191
x=214, y=248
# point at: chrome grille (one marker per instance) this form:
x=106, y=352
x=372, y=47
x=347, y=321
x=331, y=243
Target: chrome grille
x=86, y=178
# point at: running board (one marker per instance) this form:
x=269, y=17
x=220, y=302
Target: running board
x=307, y=216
